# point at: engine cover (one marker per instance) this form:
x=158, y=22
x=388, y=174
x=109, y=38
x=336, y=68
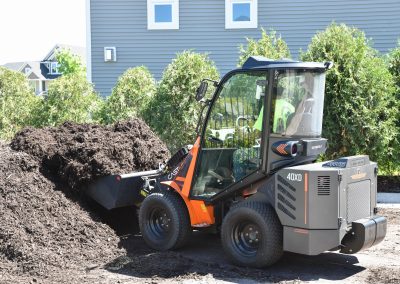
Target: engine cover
x=328, y=198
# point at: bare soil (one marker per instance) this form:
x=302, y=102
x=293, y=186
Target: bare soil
x=49, y=233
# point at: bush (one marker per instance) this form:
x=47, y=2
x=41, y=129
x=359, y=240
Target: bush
x=70, y=98
x=270, y=45
x=173, y=112
x=130, y=95
x=394, y=66
x=360, y=110
x=17, y=102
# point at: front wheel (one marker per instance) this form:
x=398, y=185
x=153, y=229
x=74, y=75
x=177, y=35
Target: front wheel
x=251, y=235
x=164, y=221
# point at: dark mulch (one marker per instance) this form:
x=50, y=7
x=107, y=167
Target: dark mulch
x=42, y=228
x=389, y=184
x=80, y=153
x=44, y=225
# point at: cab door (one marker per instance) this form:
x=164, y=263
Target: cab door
x=232, y=136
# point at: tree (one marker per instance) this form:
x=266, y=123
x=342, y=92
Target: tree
x=269, y=45
x=130, y=96
x=18, y=102
x=393, y=60
x=360, y=109
x=173, y=112
x=70, y=98
x=394, y=66
x=69, y=63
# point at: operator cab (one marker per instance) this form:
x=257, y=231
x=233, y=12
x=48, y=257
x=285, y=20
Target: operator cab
x=255, y=113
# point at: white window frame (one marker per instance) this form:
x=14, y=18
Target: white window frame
x=113, y=51
x=230, y=24
x=54, y=70
x=151, y=21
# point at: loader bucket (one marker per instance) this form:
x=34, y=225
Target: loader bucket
x=117, y=191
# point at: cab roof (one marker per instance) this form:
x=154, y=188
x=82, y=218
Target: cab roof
x=260, y=62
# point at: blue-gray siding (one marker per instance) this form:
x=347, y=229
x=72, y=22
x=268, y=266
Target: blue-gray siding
x=123, y=24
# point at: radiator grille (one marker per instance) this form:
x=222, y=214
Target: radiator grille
x=324, y=185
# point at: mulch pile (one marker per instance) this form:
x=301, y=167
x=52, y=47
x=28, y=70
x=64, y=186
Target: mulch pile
x=80, y=153
x=44, y=225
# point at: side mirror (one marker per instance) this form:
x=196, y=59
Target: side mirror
x=201, y=90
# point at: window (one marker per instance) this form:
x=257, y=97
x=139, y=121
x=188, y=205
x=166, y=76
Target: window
x=233, y=135
x=27, y=70
x=297, y=103
x=240, y=14
x=110, y=54
x=54, y=68
x=162, y=14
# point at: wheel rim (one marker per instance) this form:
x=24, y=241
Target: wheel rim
x=159, y=222
x=246, y=238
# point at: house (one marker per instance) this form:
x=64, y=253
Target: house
x=40, y=73
x=127, y=33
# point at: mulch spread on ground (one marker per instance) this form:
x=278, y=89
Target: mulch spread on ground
x=389, y=184
x=44, y=225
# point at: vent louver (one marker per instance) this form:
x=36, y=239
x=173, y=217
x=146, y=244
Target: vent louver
x=324, y=185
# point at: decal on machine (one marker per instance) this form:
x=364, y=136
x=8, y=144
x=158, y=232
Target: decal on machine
x=294, y=177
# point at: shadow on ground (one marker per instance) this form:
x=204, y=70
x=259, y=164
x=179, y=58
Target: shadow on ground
x=204, y=255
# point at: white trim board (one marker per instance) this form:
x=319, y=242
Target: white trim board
x=88, y=43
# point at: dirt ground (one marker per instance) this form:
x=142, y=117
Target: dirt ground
x=49, y=233
x=203, y=261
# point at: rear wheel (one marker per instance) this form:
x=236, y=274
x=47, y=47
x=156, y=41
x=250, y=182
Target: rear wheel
x=164, y=221
x=252, y=235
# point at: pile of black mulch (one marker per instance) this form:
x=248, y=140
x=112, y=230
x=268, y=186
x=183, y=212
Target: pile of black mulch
x=42, y=226
x=80, y=153
x=45, y=223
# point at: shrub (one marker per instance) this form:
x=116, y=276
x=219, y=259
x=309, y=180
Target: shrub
x=173, y=112
x=359, y=113
x=130, y=95
x=269, y=45
x=394, y=66
x=70, y=98
x=17, y=102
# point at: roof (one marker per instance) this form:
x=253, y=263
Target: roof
x=20, y=66
x=41, y=71
x=77, y=50
x=255, y=62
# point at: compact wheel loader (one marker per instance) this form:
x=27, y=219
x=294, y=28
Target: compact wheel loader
x=252, y=173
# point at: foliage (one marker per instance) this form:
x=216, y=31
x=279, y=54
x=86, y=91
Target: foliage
x=130, y=95
x=359, y=113
x=173, y=112
x=70, y=98
x=17, y=102
x=269, y=45
x=394, y=66
x=69, y=63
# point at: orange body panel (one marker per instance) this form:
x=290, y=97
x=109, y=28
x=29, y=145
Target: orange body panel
x=200, y=214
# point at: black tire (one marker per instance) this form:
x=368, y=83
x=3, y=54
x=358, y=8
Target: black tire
x=164, y=221
x=251, y=235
